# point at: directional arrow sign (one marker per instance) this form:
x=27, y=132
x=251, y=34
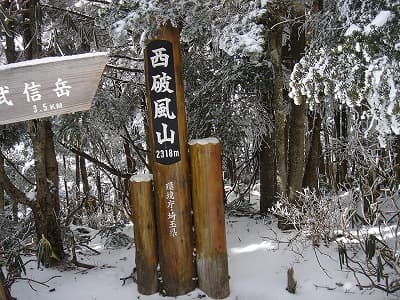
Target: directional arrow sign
x=49, y=86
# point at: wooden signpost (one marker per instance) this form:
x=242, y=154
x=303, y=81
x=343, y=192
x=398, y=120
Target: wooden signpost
x=49, y=86
x=146, y=258
x=168, y=137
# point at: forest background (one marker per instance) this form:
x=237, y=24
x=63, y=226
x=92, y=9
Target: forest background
x=303, y=96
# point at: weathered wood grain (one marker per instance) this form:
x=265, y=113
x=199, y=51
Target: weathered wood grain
x=146, y=258
x=175, y=252
x=209, y=218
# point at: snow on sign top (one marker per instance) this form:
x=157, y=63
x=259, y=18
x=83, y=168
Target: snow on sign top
x=49, y=86
x=53, y=59
x=210, y=140
x=142, y=177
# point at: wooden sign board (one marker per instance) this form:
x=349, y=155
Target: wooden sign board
x=49, y=86
x=162, y=91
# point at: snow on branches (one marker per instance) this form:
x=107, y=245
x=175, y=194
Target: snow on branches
x=233, y=26
x=354, y=60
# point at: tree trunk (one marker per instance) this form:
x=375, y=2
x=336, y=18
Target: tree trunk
x=267, y=174
x=341, y=135
x=90, y=203
x=2, y=202
x=10, y=49
x=78, y=215
x=275, y=51
x=292, y=53
x=296, y=150
x=100, y=196
x=116, y=196
x=130, y=161
x=46, y=209
x=131, y=167
x=313, y=160
x=77, y=179
x=14, y=210
x=231, y=165
x=66, y=186
x=396, y=167
x=85, y=180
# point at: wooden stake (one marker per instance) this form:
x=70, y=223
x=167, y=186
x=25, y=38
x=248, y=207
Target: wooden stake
x=146, y=258
x=168, y=137
x=209, y=219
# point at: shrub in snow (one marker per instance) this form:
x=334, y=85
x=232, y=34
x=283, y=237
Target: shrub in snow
x=118, y=240
x=109, y=230
x=367, y=239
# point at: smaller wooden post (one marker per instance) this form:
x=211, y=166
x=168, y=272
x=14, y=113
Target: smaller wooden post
x=209, y=218
x=146, y=258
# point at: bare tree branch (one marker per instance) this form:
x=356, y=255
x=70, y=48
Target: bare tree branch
x=100, y=164
x=127, y=57
x=69, y=11
x=99, y=1
x=125, y=69
x=10, y=188
x=16, y=169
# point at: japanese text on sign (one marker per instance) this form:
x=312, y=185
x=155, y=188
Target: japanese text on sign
x=32, y=93
x=161, y=85
x=170, y=197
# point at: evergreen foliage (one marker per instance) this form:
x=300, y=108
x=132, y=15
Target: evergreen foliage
x=354, y=60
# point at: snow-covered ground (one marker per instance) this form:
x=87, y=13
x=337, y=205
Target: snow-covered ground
x=258, y=254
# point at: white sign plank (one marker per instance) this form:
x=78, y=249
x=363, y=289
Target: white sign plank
x=49, y=86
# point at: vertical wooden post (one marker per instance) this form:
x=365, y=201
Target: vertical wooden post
x=146, y=258
x=209, y=218
x=168, y=138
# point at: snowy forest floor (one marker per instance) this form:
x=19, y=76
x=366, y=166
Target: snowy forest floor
x=259, y=256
